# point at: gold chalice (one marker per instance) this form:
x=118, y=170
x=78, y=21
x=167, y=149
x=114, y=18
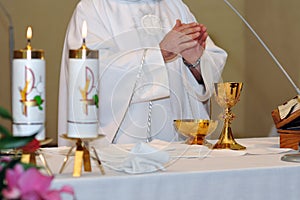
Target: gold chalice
x=196, y=130
x=227, y=95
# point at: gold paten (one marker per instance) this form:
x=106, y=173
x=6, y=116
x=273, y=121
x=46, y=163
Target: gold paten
x=195, y=130
x=227, y=95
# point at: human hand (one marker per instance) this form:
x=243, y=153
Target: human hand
x=181, y=38
x=191, y=55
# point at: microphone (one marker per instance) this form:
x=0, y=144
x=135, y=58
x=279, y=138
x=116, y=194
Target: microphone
x=265, y=46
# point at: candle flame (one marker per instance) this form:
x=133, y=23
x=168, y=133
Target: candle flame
x=84, y=30
x=29, y=33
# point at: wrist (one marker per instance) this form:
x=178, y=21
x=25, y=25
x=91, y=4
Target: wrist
x=192, y=65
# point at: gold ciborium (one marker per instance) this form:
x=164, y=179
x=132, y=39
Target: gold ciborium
x=195, y=130
x=227, y=95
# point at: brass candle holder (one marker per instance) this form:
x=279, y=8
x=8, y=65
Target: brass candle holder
x=227, y=96
x=30, y=157
x=82, y=155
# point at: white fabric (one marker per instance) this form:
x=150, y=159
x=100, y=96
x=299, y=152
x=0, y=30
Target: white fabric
x=122, y=30
x=144, y=158
x=246, y=177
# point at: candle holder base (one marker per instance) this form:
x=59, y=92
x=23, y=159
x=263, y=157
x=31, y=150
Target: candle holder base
x=295, y=157
x=82, y=155
x=30, y=157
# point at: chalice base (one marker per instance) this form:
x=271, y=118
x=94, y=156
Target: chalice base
x=226, y=141
x=198, y=140
x=232, y=146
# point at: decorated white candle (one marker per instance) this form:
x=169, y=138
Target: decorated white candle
x=28, y=91
x=83, y=91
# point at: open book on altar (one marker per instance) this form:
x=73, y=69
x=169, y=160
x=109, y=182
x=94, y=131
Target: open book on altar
x=287, y=121
x=287, y=115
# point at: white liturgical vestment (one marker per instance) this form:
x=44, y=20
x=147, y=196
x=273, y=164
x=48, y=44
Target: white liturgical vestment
x=139, y=94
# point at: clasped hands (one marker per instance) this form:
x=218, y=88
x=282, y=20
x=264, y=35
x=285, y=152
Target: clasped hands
x=187, y=40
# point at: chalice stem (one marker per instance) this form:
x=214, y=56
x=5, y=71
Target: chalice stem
x=226, y=135
x=226, y=139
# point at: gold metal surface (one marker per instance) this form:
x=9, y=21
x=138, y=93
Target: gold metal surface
x=45, y=163
x=78, y=160
x=28, y=52
x=195, y=129
x=86, y=159
x=83, y=52
x=99, y=162
x=66, y=160
x=45, y=141
x=65, y=136
x=28, y=158
x=82, y=155
x=227, y=95
x=35, y=54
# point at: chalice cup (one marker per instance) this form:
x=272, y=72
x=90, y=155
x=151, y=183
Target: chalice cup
x=195, y=130
x=227, y=95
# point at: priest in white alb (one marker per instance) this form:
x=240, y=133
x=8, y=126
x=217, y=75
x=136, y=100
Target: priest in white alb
x=156, y=64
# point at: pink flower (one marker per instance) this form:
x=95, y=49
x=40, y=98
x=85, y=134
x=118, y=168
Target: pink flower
x=31, y=185
x=12, y=176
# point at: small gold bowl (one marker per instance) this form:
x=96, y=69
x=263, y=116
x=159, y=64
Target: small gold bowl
x=195, y=129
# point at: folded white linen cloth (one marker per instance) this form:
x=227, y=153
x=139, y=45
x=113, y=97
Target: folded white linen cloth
x=144, y=158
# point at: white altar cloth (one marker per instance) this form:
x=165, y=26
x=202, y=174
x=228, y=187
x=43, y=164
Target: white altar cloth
x=255, y=176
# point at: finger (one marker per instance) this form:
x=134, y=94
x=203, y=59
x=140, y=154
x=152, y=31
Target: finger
x=189, y=37
x=183, y=27
x=178, y=23
x=177, y=38
x=203, y=45
x=202, y=25
x=191, y=30
x=203, y=29
x=203, y=38
x=190, y=34
x=186, y=45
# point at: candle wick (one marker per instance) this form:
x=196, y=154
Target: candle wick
x=28, y=44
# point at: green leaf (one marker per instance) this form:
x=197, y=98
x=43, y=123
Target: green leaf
x=96, y=100
x=39, y=101
x=15, y=142
x=4, y=131
x=5, y=114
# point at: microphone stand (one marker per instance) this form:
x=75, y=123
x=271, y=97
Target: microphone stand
x=265, y=46
x=11, y=40
x=295, y=157
x=10, y=31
